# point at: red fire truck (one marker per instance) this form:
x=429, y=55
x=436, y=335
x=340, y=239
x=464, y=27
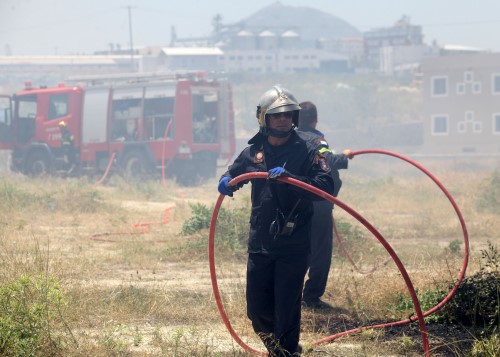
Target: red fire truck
x=181, y=123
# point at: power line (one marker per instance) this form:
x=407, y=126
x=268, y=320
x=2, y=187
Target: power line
x=129, y=8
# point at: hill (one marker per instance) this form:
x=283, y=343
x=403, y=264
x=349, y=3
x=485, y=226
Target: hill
x=312, y=24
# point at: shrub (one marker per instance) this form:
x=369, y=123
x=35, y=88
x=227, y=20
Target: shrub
x=30, y=316
x=477, y=300
x=454, y=246
x=232, y=225
x=200, y=219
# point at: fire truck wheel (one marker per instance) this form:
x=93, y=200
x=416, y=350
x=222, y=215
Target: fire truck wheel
x=37, y=164
x=135, y=165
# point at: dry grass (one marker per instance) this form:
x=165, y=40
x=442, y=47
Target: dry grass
x=133, y=293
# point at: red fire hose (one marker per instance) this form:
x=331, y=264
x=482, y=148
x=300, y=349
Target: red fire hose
x=362, y=220
x=163, y=153
x=106, y=172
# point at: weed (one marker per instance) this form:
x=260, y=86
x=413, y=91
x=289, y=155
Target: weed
x=406, y=343
x=29, y=316
x=232, y=226
x=13, y=197
x=113, y=341
x=487, y=347
x=372, y=334
x=489, y=199
x=427, y=299
x=352, y=235
x=137, y=337
x=200, y=219
x=78, y=197
x=491, y=258
x=190, y=342
x=454, y=246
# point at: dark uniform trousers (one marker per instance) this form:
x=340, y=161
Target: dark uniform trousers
x=321, y=248
x=274, y=283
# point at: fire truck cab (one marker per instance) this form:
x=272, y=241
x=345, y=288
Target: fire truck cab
x=182, y=124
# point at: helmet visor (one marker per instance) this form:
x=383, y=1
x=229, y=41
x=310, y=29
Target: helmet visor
x=282, y=108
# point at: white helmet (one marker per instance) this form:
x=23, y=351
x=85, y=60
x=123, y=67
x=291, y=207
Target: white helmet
x=276, y=100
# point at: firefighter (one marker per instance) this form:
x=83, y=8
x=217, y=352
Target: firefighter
x=322, y=221
x=67, y=147
x=280, y=222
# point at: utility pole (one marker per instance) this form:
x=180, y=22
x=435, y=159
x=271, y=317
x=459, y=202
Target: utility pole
x=130, y=35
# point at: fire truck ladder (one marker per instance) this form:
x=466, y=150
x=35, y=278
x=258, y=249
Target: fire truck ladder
x=129, y=78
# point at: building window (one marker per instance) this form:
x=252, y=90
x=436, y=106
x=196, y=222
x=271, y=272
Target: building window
x=439, y=86
x=461, y=88
x=440, y=125
x=461, y=127
x=468, y=76
x=476, y=87
x=469, y=116
x=495, y=84
x=496, y=124
x=478, y=127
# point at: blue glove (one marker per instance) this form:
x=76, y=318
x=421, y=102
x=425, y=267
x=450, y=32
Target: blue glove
x=277, y=172
x=224, y=187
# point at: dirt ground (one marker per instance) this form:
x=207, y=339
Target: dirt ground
x=192, y=276
x=132, y=245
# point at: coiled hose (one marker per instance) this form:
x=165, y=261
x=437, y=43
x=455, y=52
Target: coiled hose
x=420, y=315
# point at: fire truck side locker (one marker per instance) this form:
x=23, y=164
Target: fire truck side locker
x=94, y=151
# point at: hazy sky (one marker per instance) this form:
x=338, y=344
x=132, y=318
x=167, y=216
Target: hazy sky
x=38, y=27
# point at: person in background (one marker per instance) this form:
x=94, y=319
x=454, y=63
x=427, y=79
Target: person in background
x=322, y=221
x=67, y=147
x=280, y=221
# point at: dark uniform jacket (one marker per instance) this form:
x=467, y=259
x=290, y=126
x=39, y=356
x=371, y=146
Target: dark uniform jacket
x=301, y=159
x=67, y=139
x=335, y=161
